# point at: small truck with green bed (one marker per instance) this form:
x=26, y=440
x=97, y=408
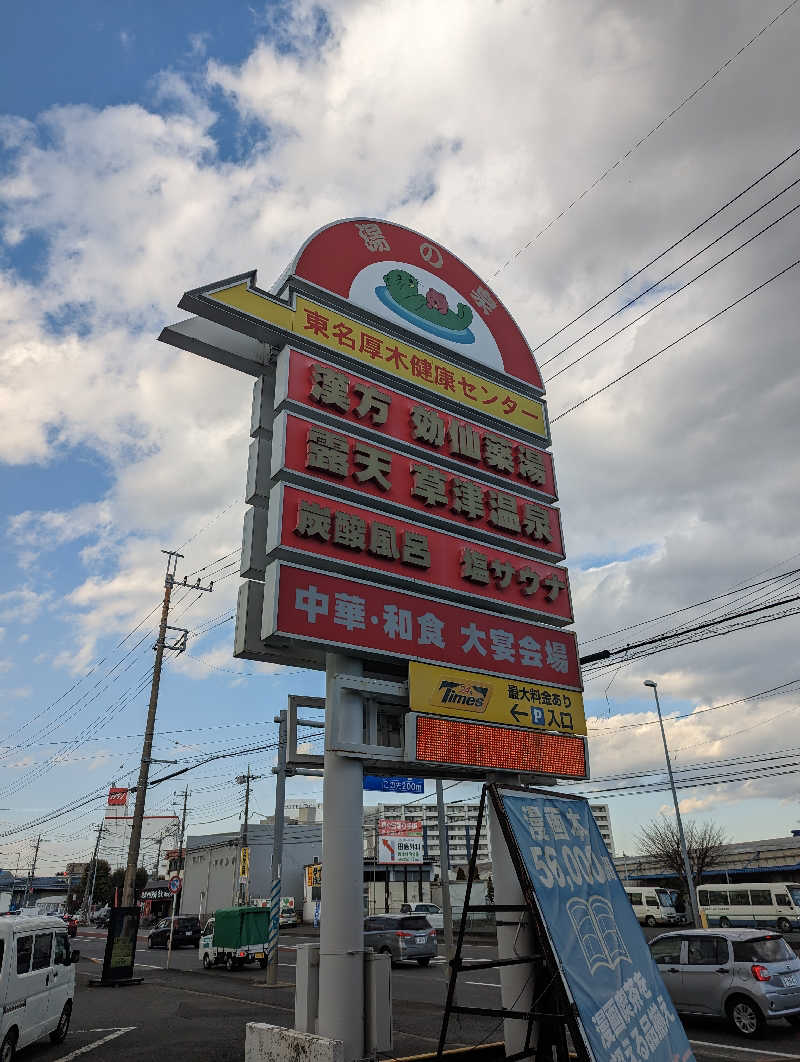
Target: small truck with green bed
x=234, y=936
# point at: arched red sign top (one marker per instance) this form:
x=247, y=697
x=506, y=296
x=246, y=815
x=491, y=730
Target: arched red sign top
x=406, y=277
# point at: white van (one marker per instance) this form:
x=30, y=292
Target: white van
x=37, y=981
x=652, y=906
x=767, y=905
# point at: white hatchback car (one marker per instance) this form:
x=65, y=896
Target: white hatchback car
x=37, y=982
x=746, y=975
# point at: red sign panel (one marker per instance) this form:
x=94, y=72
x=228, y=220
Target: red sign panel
x=401, y=480
x=382, y=409
x=328, y=528
x=332, y=610
x=401, y=276
x=469, y=744
x=117, y=797
x=400, y=827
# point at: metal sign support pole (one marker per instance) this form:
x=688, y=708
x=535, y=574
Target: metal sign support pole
x=341, y=939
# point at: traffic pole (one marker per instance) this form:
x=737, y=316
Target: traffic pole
x=277, y=850
x=341, y=938
x=444, y=868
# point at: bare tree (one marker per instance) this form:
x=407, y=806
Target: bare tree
x=659, y=841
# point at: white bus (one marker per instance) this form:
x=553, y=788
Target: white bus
x=771, y=904
x=652, y=906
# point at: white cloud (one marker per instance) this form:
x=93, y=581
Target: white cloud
x=22, y=605
x=478, y=131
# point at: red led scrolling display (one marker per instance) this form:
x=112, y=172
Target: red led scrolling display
x=398, y=416
x=468, y=744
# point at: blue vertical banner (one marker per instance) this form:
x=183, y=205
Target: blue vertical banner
x=625, y=1010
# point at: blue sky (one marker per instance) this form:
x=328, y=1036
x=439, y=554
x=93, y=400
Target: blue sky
x=150, y=148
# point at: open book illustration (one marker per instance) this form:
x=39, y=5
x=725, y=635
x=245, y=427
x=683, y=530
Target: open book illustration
x=597, y=932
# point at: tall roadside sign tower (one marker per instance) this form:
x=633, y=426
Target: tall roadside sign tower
x=401, y=534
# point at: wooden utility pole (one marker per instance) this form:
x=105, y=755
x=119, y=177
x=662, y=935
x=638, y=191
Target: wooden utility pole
x=179, y=645
x=83, y=914
x=176, y=896
x=29, y=886
x=242, y=893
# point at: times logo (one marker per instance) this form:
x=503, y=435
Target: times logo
x=459, y=695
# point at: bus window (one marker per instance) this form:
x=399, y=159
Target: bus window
x=718, y=898
x=702, y=897
x=664, y=898
x=794, y=892
x=761, y=898
x=651, y=901
x=740, y=898
x=635, y=898
x=782, y=899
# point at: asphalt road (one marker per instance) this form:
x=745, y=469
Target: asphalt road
x=188, y=1013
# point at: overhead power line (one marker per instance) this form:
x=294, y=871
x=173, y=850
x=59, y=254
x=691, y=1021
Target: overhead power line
x=662, y=254
x=696, y=628
x=740, y=588
x=675, y=291
x=609, y=169
x=674, y=342
x=773, y=691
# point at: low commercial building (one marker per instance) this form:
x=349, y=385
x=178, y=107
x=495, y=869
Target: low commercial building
x=772, y=859
x=211, y=873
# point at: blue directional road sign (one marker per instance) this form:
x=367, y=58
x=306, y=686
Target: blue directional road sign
x=374, y=783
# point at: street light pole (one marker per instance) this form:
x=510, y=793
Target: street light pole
x=687, y=869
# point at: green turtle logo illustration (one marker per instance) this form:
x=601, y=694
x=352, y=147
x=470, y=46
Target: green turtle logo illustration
x=430, y=311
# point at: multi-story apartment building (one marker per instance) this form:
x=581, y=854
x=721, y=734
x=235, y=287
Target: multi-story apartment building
x=602, y=817
x=461, y=819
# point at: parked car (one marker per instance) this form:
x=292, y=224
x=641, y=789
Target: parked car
x=403, y=936
x=430, y=910
x=746, y=975
x=100, y=917
x=37, y=982
x=187, y=930
x=72, y=925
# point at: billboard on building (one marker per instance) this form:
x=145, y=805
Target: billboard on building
x=399, y=841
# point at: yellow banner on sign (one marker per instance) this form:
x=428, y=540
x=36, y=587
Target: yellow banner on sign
x=244, y=863
x=336, y=332
x=517, y=702
x=314, y=874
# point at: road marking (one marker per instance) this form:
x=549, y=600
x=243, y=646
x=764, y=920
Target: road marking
x=487, y=984
x=148, y=966
x=90, y=1047
x=749, y=1050
x=218, y=995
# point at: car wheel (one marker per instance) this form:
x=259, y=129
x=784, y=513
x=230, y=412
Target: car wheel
x=206, y=962
x=262, y=963
x=650, y=921
x=784, y=925
x=724, y=923
x=230, y=963
x=794, y=1019
x=424, y=962
x=59, y=1034
x=9, y=1047
x=745, y=1017
x=150, y=944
